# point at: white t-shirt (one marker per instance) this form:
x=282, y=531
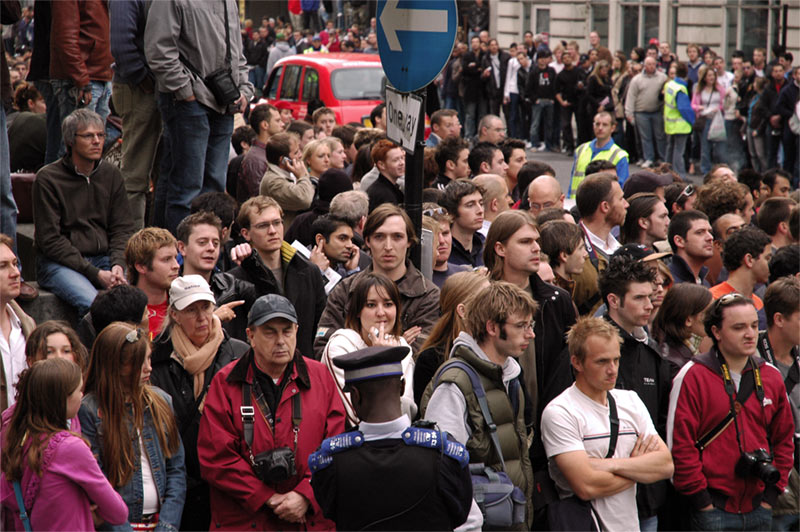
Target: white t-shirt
x=150, y=502
x=574, y=422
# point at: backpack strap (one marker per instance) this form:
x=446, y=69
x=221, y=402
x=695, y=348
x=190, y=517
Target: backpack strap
x=614, y=420
x=23, y=513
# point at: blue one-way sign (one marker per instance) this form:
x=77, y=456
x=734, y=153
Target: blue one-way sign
x=415, y=38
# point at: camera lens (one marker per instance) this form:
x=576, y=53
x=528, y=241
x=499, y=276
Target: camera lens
x=768, y=473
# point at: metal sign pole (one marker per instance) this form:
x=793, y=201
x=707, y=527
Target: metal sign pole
x=415, y=181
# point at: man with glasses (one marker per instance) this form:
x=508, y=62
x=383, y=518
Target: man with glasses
x=275, y=267
x=82, y=216
x=627, y=289
x=730, y=425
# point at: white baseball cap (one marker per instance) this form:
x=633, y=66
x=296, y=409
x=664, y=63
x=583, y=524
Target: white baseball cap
x=187, y=289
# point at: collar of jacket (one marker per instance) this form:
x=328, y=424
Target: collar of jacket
x=686, y=272
x=66, y=161
x=540, y=289
x=486, y=368
x=710, y=359
x=412, y=284
x=627, y=337
x=243, y=370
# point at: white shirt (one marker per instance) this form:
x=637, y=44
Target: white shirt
x=511, y=77
x=386, y=430
x=574, y=422
x=150, y=502
x=725, y=79
x=13, y=353
x=484, y=230
x=608, y=246
x=555, y=65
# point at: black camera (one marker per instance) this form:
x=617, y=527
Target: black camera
x=274, y=466
x=758, y=464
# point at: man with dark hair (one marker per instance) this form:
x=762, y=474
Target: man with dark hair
x=444, y=124
x=515, y=156
x=452, y=159
x=82, y=216
x=378, y=116
x=225, y=207
x=746, y=257
x=266, y=121
x=495, y=66
x=198, y=129
x=242, y=139
x=347, y=135
x=773, y=218
x=722, y=485
x=388, y=234
x=778, y=181
x=333, y=239
x=602, y=206
x=569, y=83
x=487, y=158
x=602, y=147
x=540, y=91
x=390, y=160
x=563, y=244
x=324, y=120
x=784, y=262
x=199, y=241
x=464, y=201
x=287, y=178
x=678, y=117
x=721, y=229
x=780, y=346
x=689, y=236
x=721, y=197
x=121, y=303
x=273, y=266
x=679, y=197
x=755, y=181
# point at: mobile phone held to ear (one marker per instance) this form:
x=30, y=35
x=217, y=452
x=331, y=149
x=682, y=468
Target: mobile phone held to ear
x=286, y=161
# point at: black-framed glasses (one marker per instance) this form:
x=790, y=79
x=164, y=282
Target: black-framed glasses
x=133, y=335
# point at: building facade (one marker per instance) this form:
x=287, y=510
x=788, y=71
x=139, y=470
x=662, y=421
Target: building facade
x=723, y=25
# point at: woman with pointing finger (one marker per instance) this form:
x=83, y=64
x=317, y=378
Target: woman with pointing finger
x=190, y=350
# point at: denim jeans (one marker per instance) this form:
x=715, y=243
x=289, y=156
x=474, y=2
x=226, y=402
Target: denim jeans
x=195, y=160
x=65, y=96
x=470, y=119
x=8, y=207
x=736, y=147
x=648, y=524
x=542, y=113
x=785, y=523
x=719, y=155
x=514, y=116
x=715, y=519
x=651, y=130
x=676, y=145
x=69, y=285
x=53, y=118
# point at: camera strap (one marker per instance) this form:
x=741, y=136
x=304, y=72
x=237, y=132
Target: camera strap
x=248, y=414
x=793, y=377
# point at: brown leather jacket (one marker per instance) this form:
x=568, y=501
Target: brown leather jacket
x=80, y=44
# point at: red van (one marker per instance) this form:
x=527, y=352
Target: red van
x=350, y=84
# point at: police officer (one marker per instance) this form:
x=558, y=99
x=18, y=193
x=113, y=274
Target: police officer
x=389, y=474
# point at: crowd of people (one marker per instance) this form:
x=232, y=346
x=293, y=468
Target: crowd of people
x=255, y=348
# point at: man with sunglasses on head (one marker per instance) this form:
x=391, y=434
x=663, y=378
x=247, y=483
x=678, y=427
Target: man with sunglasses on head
x=730, y=425
x=82, y=216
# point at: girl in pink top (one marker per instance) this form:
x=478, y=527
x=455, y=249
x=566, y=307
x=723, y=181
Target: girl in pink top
x=59, y=476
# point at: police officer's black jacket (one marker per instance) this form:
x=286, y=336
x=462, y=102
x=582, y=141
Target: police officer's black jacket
x=170, y=376
x=388, y=485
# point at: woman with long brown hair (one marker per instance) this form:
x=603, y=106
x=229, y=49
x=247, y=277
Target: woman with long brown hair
x=678, y=325
x=51, y=466
x=453, y=298
x=132, y=429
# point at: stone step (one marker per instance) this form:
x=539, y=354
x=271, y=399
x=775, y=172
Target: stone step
x=49, y=307
x=26, y=251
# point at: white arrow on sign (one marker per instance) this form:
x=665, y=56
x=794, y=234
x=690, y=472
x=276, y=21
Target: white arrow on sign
x=394, y=20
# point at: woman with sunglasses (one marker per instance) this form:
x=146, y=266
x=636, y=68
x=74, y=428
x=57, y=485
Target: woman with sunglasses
x=58, y=478
x=132, y=430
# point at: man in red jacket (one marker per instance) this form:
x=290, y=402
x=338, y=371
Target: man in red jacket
x=730, y=425
x=263, y=416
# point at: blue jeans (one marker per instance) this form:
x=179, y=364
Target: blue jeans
x=651, y=130
x=258, y=77
x=785, y=523
x=8, y=207
x=542, y=112
x=715, y=519
x=736, y=148
x=648, y=524
x=65, y=95
x=53, y=118
x=470, y=119
x=719, y=155
x=195, y=159
x=69, y=285
x=676, y=145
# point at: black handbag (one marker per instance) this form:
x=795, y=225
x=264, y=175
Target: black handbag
x=220, y=82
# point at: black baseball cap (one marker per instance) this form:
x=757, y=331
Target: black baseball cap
x=269, y=307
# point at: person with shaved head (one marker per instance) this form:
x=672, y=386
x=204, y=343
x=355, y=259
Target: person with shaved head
x=544, y=192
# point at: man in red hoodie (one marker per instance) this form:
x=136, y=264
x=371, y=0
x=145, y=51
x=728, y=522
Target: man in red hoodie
x=730, y=425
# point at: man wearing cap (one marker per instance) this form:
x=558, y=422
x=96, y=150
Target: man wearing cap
x=388, y=474
x=601, y=148
x=627, y=286
x=646, y=181
x=279, y=51
x=264, y=415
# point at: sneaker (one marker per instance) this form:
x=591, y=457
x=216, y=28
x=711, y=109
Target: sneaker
x=541, y=147
x=647, y=164
x=528, y=145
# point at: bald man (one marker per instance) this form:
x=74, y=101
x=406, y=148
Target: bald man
x=496, y=198
x=544, y=192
